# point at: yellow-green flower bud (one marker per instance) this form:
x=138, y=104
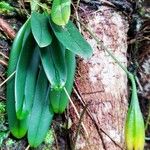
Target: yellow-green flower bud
x=134, y=129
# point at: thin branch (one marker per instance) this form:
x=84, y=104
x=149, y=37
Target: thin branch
x=79, y=126
x=74, y=107
x=77, y=15
x=56, y=141
x=148, y=119
x=2, y=62
x=7, y=79
x=2, y=98
x=7, y=29
x=99, y=130
x=4, y=55
x=27, y=147
x=91, y=116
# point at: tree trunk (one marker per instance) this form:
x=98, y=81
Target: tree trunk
x=101, y=83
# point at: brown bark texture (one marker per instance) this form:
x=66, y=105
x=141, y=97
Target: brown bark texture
x=101, y=83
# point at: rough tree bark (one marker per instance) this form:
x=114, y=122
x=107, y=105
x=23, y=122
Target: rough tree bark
x=101, y=83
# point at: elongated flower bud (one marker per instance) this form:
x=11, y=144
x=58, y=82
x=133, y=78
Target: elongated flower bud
x=134, y=129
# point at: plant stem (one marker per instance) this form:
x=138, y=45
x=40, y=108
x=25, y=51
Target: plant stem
x=105, y=48
x=34, y=5
x=79, y=126
x=75, y=110
x=134, y=96
x=148, y=119
x=129, y=74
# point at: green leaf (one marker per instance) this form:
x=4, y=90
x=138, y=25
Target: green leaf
x=59, y=99
x=53, y=61
x=6, y=7
x=17, y=127
x=70, y=37
x=40, y=29
x=30, y=83
x=21, y=73
x=61, y=12
x=41, y=115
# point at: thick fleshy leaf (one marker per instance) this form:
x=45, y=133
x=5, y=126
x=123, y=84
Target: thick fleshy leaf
x=70, y=37
x=21, y=73
x=40, y=29
x=30, y=83
x=134, y=129
x=59, y=99
x=53, y=61
x=61, y=12
x=17, y=127
x=41, y=115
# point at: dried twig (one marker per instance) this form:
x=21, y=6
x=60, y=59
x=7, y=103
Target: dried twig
x=4, y=55
x=7, y=79
x=2, y=62
x=7, y=29
x=77, y=15
x=99, y=130
x=2, y=98
x=90, y=115
x=74, y=107
x=56, y=141
x=79, y=126
x=148, y=119
x=27, y=147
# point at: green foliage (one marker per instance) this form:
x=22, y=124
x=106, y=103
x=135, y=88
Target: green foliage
x=57, y=74
x=9, y=142
x=2, y=108
x=6, y=7
x=21, y=73
x=17, y=127
x=61, y=12
x=31, y=77
x=41, y=115
x=3, y=128
x=2, y=116
x=43, y=57
x=44, y=64
x=59, y=99
x=70, y=37
x=3, y=136
x=49, y=139
x=40, y=29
